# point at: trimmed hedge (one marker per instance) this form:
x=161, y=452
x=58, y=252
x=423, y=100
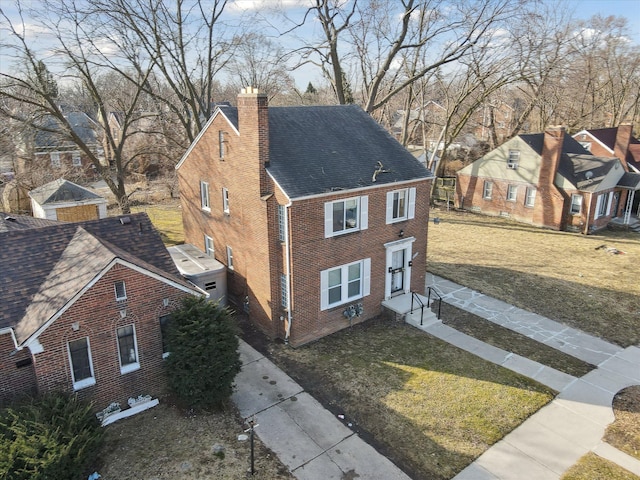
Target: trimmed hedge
x=54, y=436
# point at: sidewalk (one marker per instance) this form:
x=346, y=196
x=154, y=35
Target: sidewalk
x=553, y=439
x=307, y=438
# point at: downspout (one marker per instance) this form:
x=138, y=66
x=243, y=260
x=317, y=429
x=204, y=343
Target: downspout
x=586, y=225
x=287, y=271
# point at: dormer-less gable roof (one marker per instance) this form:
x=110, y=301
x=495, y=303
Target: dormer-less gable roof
x=28, y=258
x=83, y=126
x=12, y=222
x=322, y=149
x=62, y=191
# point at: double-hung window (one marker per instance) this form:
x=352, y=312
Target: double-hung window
x=204, y=196
x=514, y=158
x=346, y=215
x=221, y=143
x=512, y=193
x=208, y=246
x=229, y=258
x=225, y=200
x=127, y=349
x=488, y=190
x=530, y=198
x=55, y=160
x=576, y=204
x=76, y=161
x=345, y=283
x=603, y=205
x=401, y=205
x=81, y=364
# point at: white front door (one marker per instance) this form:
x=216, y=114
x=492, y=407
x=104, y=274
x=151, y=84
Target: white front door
x=398, y=267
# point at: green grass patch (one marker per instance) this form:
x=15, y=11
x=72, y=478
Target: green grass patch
x=511, y=341
x=593, y=467
x=563, y=276
x=167, y=218
x=430, y=407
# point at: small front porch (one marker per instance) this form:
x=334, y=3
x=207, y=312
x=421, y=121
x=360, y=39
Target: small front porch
x=413, y=306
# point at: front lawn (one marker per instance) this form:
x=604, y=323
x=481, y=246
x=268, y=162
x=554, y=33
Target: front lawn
x=593, y=467
x=567, y=277
x=430, y=407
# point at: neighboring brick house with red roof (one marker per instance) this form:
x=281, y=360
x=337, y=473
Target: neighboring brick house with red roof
x=548, y=179
x=83, y=308
x=317, y=212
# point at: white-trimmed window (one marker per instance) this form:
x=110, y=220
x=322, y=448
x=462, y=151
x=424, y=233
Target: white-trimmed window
x=55, y=159
x=282, y=223
x=487, y=190
x=221, y=143
x=225, y=200
x=345, y=283
x=208, y=246
x=76, y=161
x=121, y=290
x=514, y=157
x=204, y=196
x=530, y=198
x=229, y=258
x=284, y=291
x=164, y=332
x=81, y=364
x=401, y=205
x=346, y=215
x=512, y=193
x=576, y=204
x=127, y=349
x=603, y=204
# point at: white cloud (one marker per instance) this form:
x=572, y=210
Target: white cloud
x=253, y=5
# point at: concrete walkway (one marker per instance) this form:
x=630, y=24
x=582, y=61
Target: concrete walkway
x=306, y=437
x=573, y=424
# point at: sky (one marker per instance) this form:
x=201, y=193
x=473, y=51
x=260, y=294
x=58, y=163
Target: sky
x=585, y=9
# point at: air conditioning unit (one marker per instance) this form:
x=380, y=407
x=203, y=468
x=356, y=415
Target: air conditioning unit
x=512, y=166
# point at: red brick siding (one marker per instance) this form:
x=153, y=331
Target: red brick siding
x=98, y=316
x=14, y=381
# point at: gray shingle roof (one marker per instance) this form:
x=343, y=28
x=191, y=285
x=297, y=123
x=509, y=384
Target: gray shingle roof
x=30, y=258
x=62, y=190
x=630, y=180
x=321, y=149
x=12, y=222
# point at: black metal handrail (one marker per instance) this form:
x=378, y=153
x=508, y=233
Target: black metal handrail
x=415, y=296
x=439, y=299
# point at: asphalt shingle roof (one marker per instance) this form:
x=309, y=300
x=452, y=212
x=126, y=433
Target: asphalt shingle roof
x=61, y=190
x=12, y=222
x=321, y=149
x=57, y=259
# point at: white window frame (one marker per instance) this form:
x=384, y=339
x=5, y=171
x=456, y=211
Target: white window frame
x=576, y=200
x=209, y=247
x=133, y=364
x=362, y=216
x=603, y=205
x=530, y=197
x=225, y=201
x=487, y=190
x=512, y=193
x=76, y=159
x=55, y=159
x=163, y=321
x=514, y=157
x=394, y=212
x=365, y=283
x=221, y=142
x=229, y=258
x=284, y=291
x=85, y=382
x=124, y=290
x=282, y=224
x=204, y=196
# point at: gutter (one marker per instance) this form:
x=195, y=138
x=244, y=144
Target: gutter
x=287, y=270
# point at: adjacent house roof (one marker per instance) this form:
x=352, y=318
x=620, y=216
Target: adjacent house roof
x=12, y=222
x=43, y=268
x=607, y=136
x=82, y=125
x=321, y=149
x=62, y=190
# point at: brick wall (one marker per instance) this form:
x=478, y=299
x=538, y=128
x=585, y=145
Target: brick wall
x=98, y=316
x=17, y=375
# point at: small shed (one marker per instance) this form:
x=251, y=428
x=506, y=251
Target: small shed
x=67, y=202
x=202, y=270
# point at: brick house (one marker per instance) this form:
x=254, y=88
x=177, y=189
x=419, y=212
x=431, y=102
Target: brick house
x=317, y=212
x=86, y=303
x=548, y=179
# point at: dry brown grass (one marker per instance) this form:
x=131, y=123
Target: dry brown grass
x=559, y=275
x=624, y=433
x=593, y=467
x=166, y=443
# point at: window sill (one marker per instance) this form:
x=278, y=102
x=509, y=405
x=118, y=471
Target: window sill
x=132, y=367
x=397, y=220
x=166, y=355
x=87, y=382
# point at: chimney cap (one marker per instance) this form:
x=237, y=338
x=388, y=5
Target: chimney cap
x=249, y=90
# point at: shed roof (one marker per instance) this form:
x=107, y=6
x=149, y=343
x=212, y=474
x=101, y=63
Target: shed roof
x=62, y=190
